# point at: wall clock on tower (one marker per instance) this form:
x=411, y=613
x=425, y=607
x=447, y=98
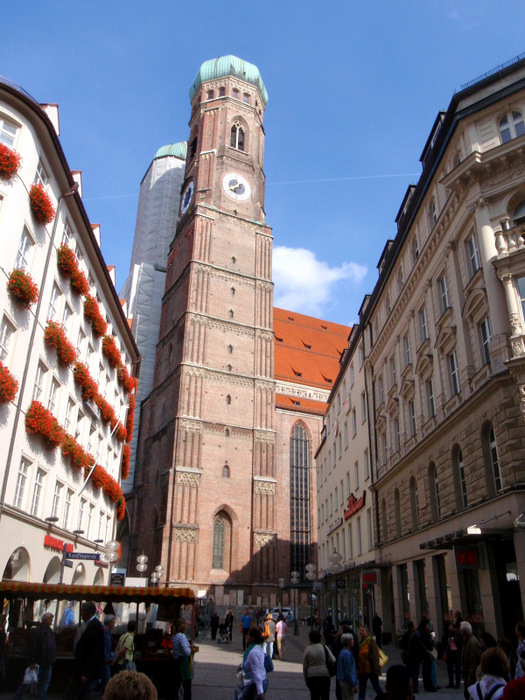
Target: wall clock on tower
x=236, y=187
x=187, y=196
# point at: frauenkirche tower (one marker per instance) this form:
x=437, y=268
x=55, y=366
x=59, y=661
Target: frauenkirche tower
x=206, y=485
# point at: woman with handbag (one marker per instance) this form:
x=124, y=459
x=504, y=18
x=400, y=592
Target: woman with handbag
x=317, y=659
x=368, y=664
x=255, y=682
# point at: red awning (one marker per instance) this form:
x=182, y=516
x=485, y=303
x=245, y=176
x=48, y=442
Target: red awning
x=62, y=591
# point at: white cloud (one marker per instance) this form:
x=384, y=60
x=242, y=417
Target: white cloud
x=307, y=285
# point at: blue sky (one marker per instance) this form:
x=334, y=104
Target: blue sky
x=354, y=88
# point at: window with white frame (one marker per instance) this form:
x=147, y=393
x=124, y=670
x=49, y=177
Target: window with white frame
x=486, y=338
x=21, y=482
x=473, y=254
x=40, y=382
x=52, y=400
x=23, y=254
x=81, y=512
x=57, y=496
x=67, y=234
x=443, y=294
x=41, y=174
x=8, y=132
x=408, y=357
x=511, y=126
x=370, y=529
x=453, y=373
x=7, y=331
x=67, y=508
x=54, y=303
x=431, y=404
x=423, y=326
x=37, y=492
x=397, y=434
x=412, y=418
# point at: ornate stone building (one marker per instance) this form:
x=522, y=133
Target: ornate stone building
x=212, y=489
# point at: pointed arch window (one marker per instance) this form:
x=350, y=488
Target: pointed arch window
x=237, y=136
x=222, y=531
x=300, y=519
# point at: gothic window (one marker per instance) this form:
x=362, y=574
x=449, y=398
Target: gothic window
x=299, y=498
x=511, y=126
x=222, y=531
x=237, y=136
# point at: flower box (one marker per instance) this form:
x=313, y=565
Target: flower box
x=131, y=417
x=88, y=386
x=68, y=265
x=22, y=287
x=92, y=313
x=55, y=337
x=110, y=350
x=40, y=421
x=10, y=162
x=124, y=467
x=8, y=385
x=41, y=205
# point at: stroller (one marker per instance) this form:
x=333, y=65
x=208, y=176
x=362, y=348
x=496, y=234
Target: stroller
x=223, y=633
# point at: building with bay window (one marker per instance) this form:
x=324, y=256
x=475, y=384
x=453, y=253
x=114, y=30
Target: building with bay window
x=68, y=359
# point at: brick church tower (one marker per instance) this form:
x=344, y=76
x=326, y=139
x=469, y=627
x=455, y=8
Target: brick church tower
x=206, y=483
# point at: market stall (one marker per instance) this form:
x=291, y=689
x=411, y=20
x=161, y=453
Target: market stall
x=152, y=647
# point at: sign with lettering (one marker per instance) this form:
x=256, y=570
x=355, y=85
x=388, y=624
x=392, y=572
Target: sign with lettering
x=55, y=543
x=370, y=577
x=91, y=556
x=467, y=557
x=354, y=504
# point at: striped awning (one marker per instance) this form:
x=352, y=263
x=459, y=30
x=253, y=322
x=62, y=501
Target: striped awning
x=62, y=591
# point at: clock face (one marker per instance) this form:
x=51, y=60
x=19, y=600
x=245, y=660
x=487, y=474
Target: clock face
x=187, y=196
x=236, y=187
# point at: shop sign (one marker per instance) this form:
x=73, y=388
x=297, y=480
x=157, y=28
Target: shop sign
x=335, y=525
x=467, y=557
x=355, y=504
x=370, y=577
x=55, y=543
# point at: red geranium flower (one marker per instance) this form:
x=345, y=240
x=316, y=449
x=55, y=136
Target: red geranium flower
x=92, y=313
x=41, y=205
x=55, y=337
x=10, y=162
x=8, y=385
x=22, y=287
x=40, y=421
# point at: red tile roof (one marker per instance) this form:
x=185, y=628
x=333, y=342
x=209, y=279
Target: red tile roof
x=307, y=351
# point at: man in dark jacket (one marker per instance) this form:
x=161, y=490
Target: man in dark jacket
x=89, y=656
x=41, y=654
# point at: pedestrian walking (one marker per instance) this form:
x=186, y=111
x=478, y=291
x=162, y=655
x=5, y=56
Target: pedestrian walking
x=315, y=669
x=346, y=668
x=470, y=656
x=41, y=657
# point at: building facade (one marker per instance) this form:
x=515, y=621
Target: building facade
x=213, y=470
x=443, y=332
x=68, y=359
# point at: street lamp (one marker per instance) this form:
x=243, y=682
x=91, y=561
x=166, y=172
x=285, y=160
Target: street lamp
x=311, y=575
x=157, y=575
x=142, y=563
x=335, y=567
x=295, y=575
